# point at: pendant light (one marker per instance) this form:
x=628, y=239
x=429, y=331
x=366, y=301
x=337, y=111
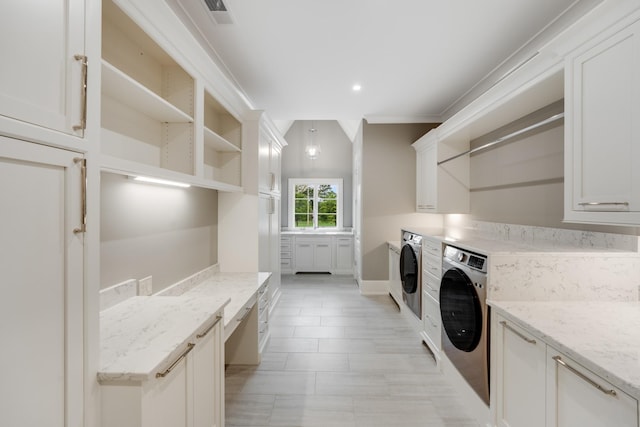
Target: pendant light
x=313, y=148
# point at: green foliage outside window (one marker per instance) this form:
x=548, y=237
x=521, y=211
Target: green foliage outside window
x=316, y=206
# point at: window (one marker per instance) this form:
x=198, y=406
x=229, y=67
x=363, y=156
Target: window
x=315, y=203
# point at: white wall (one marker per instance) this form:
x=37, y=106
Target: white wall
x=168, y=233
x=334, y=161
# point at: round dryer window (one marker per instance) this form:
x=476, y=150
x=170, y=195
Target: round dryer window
x=460, y=310
x=408, y=269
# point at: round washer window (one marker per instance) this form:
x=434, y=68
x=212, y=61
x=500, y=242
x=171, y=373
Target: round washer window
x=460, y=310
x=408, y=269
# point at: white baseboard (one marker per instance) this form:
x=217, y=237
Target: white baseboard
x=374, y=287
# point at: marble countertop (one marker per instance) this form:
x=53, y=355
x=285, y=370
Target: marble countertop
x=142, y=335
x=394, y=244
x=501, y=247
x=604, y=337
x=239, y=287
x=317, y=232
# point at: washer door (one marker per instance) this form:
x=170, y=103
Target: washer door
x=408, y=269
x=460, y=310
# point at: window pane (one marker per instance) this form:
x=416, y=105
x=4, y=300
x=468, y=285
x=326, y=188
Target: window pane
x=303, y=206
x=326, y=220
x=304, y=192
x=326, y=191
x=328, y=207
x=304, y=220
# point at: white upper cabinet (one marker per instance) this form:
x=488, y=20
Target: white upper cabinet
x=602, y=139
x=270, y=162
x=440, y=188
x=42, y=76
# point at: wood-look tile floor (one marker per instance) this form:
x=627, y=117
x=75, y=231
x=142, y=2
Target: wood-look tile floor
x=337, y=358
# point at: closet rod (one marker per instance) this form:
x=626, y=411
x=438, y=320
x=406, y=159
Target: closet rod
x=506, y=137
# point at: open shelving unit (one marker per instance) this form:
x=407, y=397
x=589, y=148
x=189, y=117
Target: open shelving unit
x=148, y=111
x=222, y=143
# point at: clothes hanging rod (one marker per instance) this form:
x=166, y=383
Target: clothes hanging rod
x=507, y=137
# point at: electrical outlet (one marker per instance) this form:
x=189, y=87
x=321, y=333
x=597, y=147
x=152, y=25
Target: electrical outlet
x=145, y=287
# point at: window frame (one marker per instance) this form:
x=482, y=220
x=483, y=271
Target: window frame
x=315, y=182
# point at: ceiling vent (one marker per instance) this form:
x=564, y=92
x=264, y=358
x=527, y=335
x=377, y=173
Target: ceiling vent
x=219, y=11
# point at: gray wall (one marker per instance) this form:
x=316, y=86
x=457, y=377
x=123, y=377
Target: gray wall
x=334, y=161
x=168, y=233
x=388, y=192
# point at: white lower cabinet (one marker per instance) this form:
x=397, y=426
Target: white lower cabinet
x=431, y=275
x=395, y=284
x=520, y=375
x=536, y=385
x=187, y=393
x=317, y=253
x=578, y=397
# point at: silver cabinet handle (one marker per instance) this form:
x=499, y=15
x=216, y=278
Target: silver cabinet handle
x=178, y=360
x=430, y=321
x=604, y=203
x=527, y=339
x=246, y=313
x=204, y=334
x=85, y=72
x=273, y=180
x=559, y=360
x=83, y=172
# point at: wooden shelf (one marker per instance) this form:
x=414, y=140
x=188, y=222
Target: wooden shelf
x=126, y=90
x=218, y=143
x=127, y=167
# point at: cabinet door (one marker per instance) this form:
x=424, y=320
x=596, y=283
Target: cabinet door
x=603, y=154
x=165, y=399
x=206, y=378
x=322, y=255
x=427, y=173
x=344, y=253
x=304, y=260
x=520, y=374
x=577, y=397
x=275, y=162
x=40, y=80
x=265, y=207
x=41, y=260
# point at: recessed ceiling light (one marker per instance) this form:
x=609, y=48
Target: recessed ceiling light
x=356, y=87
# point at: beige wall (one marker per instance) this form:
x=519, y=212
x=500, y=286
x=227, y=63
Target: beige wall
x=168, y=233
x=388, y=191
x=522, y=181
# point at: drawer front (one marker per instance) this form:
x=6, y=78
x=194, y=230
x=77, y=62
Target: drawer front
x=285, y=264
x=285, y=244
x=432, y=320
x=432, y=247
x=431, y=285
x=285, y=254
x=432, y=266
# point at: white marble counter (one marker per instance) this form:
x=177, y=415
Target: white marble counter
x=316, y=232
x=395, y=244
x=238, y=287
x=142, y=335
x=604, y=337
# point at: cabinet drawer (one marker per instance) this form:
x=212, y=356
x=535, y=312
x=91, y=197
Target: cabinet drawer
x=285, y=245
x=240, y=316
x=285, y=254
x=432, y=247
x=285, y=264
x=432, y=266
x=431, y=285
x=432, y=321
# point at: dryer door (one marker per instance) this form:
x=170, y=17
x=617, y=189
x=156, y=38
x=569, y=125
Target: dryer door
x=460, y=310
x=408, y=269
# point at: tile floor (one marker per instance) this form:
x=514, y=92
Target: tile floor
x=337, y=358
